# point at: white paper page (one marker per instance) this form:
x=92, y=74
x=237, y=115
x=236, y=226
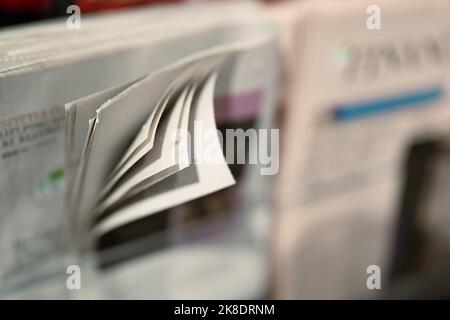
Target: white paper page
x=141, y=145
x=80, y=111
x=75, y=181
x=116, y=126
x=143, y=142
x=181, y=155
x=160, y=158
x=109, y=145
x=193, y=182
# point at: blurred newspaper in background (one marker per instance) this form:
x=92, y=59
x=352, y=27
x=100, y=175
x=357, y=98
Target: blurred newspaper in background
x=355, y=101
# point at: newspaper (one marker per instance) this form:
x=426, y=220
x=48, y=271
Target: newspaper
x=68, y=155
x=357, y=98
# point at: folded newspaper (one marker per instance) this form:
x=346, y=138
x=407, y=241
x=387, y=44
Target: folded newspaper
x=154, y=172
x=110, y=123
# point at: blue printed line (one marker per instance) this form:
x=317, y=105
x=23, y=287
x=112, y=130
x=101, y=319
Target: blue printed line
x=364, y=109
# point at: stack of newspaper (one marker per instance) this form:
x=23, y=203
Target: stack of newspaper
x=103, y=125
